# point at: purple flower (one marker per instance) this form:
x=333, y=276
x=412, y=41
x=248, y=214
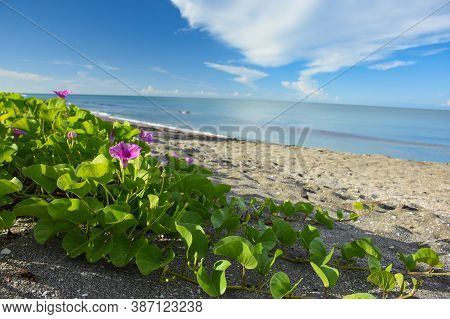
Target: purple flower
x=111, y=137
x=124, y=152
x=175, y=154
x=62, y=94
x=17, y=132
x=72, y=135
x=146, y=136
x=189, y=160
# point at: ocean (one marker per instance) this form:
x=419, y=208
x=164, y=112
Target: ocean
x=406, y=133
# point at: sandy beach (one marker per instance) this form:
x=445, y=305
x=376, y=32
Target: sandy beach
x=412, y=210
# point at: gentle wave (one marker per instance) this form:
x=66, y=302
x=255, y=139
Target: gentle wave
x=108, y=116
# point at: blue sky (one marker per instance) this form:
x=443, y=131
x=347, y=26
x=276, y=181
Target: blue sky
x=247, y=49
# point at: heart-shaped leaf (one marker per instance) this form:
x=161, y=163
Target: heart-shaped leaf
x=150, y=258
x=9, y=186
x=66, y=183
x=284, y=232
x=308, y=234
x=75, y=243
x=214, y=283
x=195, y=241
x=98, y=168
x=33, y=206
x=265, y=262
x=383, y=279
x=280, y=285
x=7, y=219
x=238, y=249
x=98, y=245
x=117, y=216
x=70, y=209
x=327, y=274
x=39, y=173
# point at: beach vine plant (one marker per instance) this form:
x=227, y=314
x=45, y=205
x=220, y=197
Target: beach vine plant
x=96, y=186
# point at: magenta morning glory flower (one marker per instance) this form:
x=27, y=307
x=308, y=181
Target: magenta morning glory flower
x=175, y=154
x=17, y=132
x=189, y=160
x=112, y=137
x=146, y=136
x=124, y=152
x=72, y=135
x=62, y=94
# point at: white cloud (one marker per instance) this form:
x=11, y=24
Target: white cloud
x=27, y=76
x=433, y=51
x=448, y=102
x=108, y=67
x=390, y=65
x=64, y=62
x=159, y=69
x=150, y=90
x=243, y=75
x=327, y=35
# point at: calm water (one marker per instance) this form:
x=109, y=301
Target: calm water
x=416, y=134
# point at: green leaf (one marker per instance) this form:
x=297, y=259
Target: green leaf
x=400, y=279
x=318, y=253
x=359, y=295
x=119, y=254
x=427, y=256
x=224, y=219
x=39, y=174
x=9, y=186
x=7, y=152
x=195, y=241
x=32, y=206
x=360, y=248
x=150, y=257
x=98, y=245
x=305, y=208
x=118, y=216
x=7, y=219
x=214, y=283
x=265, y=235
x=280, y=285
x=358, y=205
x=43, y=230
x=237, y=248
x=308, y=234
x=97, y=168
x=70, y=209
x=383, y=279
x=66, y=183
x=369, y=247
x=287, y=208
x=374, y=264
x=284, y=232
x=408, y=261
x=75, y=243
x=265, y=262
x=340, y=214
x=327, y=274
x=323, y=218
